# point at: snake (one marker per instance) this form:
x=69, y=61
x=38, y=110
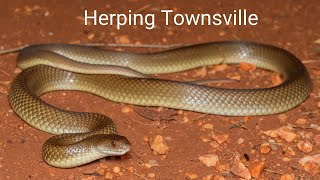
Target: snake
x=124, y=77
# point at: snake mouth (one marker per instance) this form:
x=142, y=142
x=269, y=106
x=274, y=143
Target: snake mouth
x=117, y=152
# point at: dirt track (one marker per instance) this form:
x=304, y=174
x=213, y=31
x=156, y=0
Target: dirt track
x=293, y=25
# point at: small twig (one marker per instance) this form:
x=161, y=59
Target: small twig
x=2, y=113
x=3, y=91
x=155, y=115
x=138, y=157
x=202, y=115
x=310, y=61
x=239, y=124
x=299, y=127
x=142, y=8
x=140, y=176
x=229, y=155
x=91, y=174
x=6, y=83
x=295, y=168
x=7, y=74
x=276, y=143
x=311, y=112
x=275, y=172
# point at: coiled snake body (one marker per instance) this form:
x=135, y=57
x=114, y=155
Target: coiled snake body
x=84, y=137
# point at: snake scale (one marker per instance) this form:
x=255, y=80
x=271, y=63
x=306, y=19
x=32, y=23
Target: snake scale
x=83, y=137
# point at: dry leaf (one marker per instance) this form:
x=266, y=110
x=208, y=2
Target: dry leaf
x=287, y=135
x=305, y=146
x=314, y=158
x=276, y=79
x=222, y=167
x=311, y=168
x=220, y=138
x=239, y=169
x=123, y=39
x=209, y=160
x=247, y=66
x=283, y=132
x=159, y=145
x=220, y=67
x=257, y=170
x=272, y=133
x=155, y=115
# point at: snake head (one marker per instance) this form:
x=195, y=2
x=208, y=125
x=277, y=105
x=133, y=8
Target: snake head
x=113, y=145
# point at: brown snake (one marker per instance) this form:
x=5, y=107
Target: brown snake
x=84, y=137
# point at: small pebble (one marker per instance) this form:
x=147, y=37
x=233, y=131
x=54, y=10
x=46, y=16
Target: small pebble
x=209, y=160
x=287, y=177
x=160, y=109
x=123, y=39
x=276, y=79
x=108, y=175
x=191, y=176
x=257, y=170
x=208, y=126
x=222, y=167
x=214, y=144
x=301, y=121
x=285, y=159
x=287, y=134
x=282, y=118
x=159, y=145
x=100, y=171
x=204, y=139
x=311, y=168
x=186, y=119
x=220, y=138
x=305, y=146
x=265, y=148
x=146, y=138
x=246, y=66
x=316, y=139
x=179, y=112
x=222, y=33
x=116, y=169
x=126, y=109
x=239, y=169
x=220, y=67
x=240, y=140
x=91, y=36
x=130, y=169
x=151, y=175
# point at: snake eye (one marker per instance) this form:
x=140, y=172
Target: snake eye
x=113, y=143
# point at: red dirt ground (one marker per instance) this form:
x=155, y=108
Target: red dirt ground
x=293, y=25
